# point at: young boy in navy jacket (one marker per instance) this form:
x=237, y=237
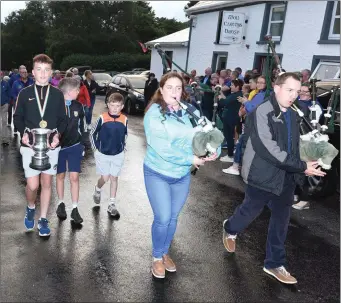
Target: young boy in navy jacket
x=108, y=138
x=71, y=153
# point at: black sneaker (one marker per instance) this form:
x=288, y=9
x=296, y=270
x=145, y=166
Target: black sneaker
x=75, y=216
x=61, y=213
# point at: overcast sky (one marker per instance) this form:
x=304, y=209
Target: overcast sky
x=169, y=9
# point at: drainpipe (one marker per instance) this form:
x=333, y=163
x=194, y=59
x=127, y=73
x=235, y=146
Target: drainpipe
x=189, y=42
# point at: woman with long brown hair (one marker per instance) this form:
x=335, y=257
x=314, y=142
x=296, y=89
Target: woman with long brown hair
x=167, y=165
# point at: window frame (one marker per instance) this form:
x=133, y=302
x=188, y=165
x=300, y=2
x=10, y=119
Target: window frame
x=257, y=57
x=117, y=80
x=215, y=59
x=275, y=38
x=266, y=21
x=332, y=36
x=326, y=26
x=124, y=80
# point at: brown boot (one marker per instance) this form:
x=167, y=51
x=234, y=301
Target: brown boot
x=158, y=269
x=281, y=274
x=168, y=263
x=229, y=240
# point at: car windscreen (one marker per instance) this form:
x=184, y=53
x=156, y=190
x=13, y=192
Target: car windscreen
x=102, y=77
x=137, y=83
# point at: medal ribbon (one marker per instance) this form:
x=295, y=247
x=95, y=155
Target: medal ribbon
x=42, y=110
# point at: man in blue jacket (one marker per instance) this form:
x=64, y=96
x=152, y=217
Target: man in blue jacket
x=21, y=83
x=5, y=98
x=271, y=168
x=17, y=87
x=16, y=75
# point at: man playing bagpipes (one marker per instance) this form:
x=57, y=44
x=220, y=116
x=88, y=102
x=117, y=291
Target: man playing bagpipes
x=271, y=168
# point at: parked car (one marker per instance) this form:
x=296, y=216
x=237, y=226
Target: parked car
x=130, y=72
x=112, y=73
x=132, y=88
x=103, y=80
x=138, y=69
x=145, y=73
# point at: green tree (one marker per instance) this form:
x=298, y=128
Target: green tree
x=23, y=36
x=98, y=27
x=63, y=28
x=169, y=26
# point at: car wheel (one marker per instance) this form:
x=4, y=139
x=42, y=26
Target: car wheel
x=324, y=186
x=129, y=107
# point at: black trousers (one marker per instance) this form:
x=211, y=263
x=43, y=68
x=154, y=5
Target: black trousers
x=10, y=113
x=302, y=191
x=228, y=131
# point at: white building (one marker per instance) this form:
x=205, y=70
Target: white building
x=175, y=46
x=227, y=34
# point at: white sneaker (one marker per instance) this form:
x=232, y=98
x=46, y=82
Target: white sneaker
x=232, y=171
x=89, y=127
x=302, y=205
x=227, y=159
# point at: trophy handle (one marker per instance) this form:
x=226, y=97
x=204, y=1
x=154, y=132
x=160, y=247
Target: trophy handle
x=28, y=131
x=55, y=130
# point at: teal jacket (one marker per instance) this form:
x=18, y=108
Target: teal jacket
x=169, y=142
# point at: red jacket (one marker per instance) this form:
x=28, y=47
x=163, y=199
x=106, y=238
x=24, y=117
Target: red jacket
x=83, y=96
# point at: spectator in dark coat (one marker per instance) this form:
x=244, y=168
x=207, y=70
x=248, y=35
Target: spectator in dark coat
x=150, y=87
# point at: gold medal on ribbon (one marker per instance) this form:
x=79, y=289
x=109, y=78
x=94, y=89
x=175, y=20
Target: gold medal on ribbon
x=42, y=124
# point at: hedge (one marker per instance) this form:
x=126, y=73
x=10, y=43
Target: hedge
x=114, y=62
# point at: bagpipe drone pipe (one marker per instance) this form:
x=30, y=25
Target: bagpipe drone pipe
x=314, y=145
x=206, y=141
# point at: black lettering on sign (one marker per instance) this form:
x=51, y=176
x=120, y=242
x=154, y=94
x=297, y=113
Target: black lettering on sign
x=233, y=17
x=231, y=31
x=235, y=24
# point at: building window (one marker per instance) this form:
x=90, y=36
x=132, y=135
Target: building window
x=334, y=31
x=276, y=22
x=273, y=21
x=219, y=61
x=259, y=62
x=330, y=33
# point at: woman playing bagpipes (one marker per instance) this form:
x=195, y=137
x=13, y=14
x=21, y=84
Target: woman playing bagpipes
x=169, y=132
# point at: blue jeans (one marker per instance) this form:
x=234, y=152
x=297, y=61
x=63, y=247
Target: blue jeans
x=167, y=196
x=239, y=147
x=88, y=115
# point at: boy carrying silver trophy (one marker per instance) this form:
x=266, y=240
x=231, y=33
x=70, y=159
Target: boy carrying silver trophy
x=40, y=117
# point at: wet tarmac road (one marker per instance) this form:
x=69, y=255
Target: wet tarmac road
x=109, y=261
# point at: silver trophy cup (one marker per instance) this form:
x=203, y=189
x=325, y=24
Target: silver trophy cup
x=40, y=159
